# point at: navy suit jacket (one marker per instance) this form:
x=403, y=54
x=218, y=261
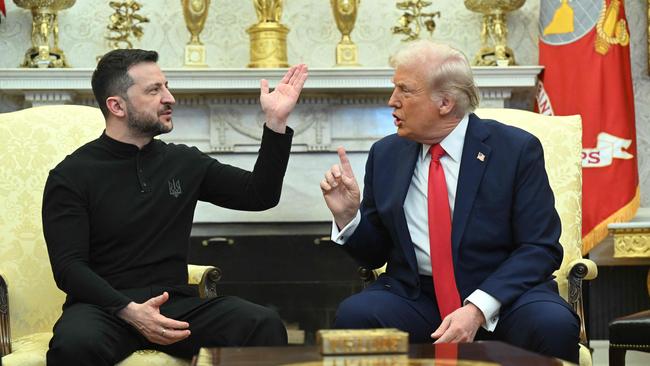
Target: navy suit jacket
x=505, y=229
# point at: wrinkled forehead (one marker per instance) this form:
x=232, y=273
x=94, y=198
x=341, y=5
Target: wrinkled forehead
x=412, y=73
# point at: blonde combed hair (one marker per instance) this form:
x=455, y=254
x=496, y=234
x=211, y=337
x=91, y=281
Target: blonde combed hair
x=448, y=71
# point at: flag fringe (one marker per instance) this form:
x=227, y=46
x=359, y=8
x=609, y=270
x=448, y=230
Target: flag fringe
x=600, y=231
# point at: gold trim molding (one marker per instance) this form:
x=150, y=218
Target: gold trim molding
x=631, y=242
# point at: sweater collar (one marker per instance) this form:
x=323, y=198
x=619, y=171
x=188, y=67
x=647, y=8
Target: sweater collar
x=123, y=148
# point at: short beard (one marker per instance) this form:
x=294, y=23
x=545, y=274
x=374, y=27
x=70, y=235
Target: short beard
x=143, y=124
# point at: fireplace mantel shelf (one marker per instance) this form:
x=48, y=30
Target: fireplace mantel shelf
x=77, y=81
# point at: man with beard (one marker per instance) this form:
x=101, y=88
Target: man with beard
x=117, y=215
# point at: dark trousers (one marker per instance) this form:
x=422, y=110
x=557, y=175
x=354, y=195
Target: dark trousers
x=544, y=327
x=88, y=335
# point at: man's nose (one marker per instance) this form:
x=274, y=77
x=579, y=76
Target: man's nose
x=168, y=98
x=394, y=100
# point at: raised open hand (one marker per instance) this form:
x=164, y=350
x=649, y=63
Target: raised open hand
x=341, y=191
x=278, y=104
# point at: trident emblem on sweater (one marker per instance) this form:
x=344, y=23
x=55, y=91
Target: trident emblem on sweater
x=175, y=188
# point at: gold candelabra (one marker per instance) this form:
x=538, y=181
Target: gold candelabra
x=494, y=31
x=414, y=19
x=195, y=13
x=125, y=23
x=45, y=51
x=268, y=37
x=345, y=14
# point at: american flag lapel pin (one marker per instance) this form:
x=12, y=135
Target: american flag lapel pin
x=480, y=156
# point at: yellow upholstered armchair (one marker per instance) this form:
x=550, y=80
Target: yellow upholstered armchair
x=33, y=141
x=561, y=139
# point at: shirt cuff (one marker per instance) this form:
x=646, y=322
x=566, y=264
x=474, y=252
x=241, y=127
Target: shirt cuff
x=488, y=305
x=341, y=236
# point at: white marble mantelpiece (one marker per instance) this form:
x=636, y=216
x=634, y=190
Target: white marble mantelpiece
x=218, y=111
x=50, y=86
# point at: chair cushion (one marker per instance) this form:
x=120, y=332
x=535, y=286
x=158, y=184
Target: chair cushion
x=30, y=350
x=633, y=330
x=151, y=357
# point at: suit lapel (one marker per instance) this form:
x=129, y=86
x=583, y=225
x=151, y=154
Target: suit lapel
x=475, y=157
x=402, y=172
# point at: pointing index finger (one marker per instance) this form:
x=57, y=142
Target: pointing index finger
x=345, y=162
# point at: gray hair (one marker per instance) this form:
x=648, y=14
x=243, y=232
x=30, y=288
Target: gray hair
x=448, y=70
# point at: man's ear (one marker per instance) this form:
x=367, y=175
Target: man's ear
x=116, y=106
x=446, y=105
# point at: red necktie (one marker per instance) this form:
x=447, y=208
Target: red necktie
x=442, y=266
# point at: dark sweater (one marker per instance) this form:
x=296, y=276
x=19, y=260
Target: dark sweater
x=117, y=218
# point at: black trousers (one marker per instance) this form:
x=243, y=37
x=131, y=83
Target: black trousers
x=88, y=335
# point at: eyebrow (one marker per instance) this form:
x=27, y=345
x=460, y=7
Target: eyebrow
x=400, y=84
x=156, y=85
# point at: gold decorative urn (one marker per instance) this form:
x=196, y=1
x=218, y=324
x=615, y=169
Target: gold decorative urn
x=268, y=37
x=45, y=51
x=195, y=13
x=494, y=31
x=345, y=14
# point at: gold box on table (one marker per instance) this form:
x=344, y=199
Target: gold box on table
x=362, y=341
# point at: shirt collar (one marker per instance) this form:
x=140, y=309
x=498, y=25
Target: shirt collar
x=453, y=143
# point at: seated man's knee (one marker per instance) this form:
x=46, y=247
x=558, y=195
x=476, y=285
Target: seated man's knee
x=78, y=346
x=356, y=312
x=264, y=328
x=556, y=323
x=553, y=330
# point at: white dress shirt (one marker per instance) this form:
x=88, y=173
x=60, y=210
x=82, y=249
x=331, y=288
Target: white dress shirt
x=416, y=211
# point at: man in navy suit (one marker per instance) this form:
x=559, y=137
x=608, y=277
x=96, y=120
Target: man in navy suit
x=503, y=240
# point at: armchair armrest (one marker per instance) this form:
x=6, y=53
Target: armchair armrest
x=5, y=331
x=368, y=275
x=206, y=277
x=578, y=270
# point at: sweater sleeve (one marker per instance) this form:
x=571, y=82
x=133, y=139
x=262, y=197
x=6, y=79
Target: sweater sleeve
x=235, y=188
x=66, y=230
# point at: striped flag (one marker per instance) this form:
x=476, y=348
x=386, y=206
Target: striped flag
x=584, y=48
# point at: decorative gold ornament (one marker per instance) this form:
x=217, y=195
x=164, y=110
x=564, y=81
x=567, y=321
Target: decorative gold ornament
x=413, y=19
x=195, y=12
x=610, y=29
x=631, y=242
x=45, y=51
x=494, y=28
x=345, y=14
x=125, y=23
x=268, y=36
